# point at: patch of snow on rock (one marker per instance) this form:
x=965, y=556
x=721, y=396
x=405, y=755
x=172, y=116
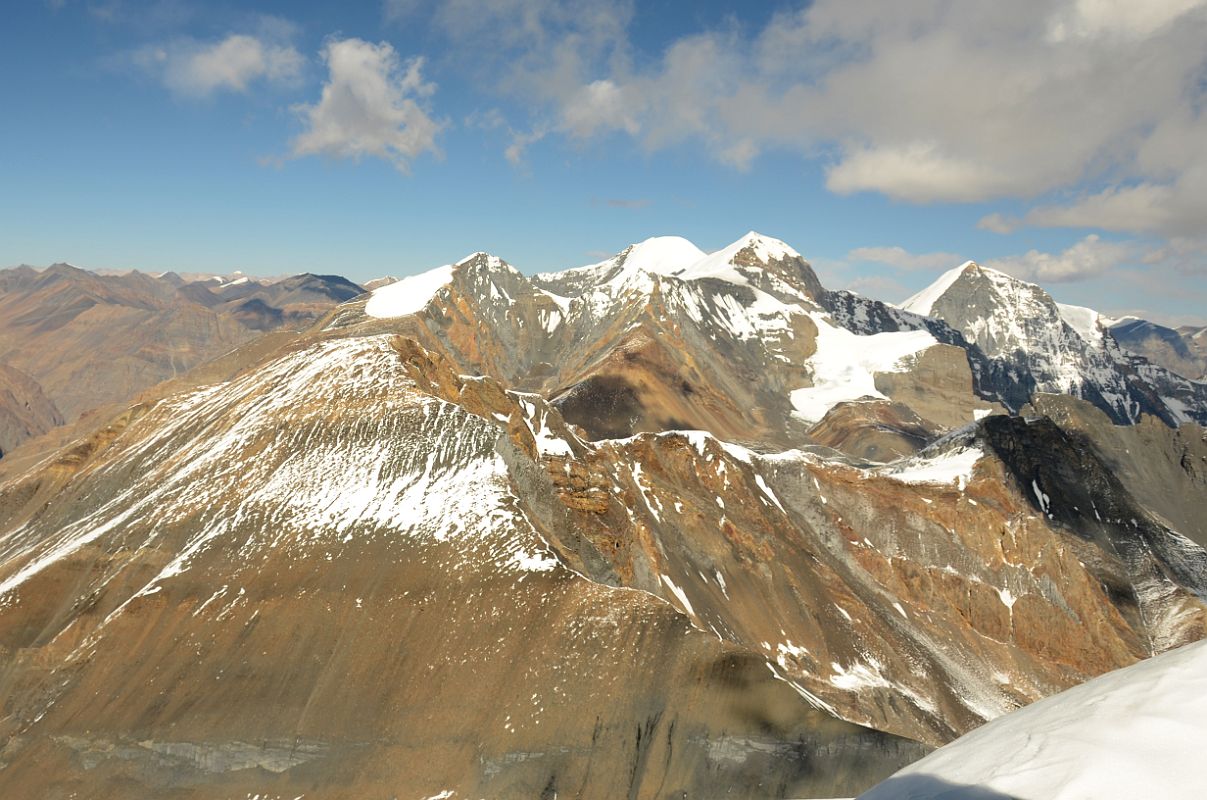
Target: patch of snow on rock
x=953, y=466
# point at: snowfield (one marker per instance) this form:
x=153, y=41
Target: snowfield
x=1133, y=733
x=845, y=366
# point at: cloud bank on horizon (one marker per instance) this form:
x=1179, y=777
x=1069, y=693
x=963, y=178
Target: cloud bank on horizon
x=1087, y=116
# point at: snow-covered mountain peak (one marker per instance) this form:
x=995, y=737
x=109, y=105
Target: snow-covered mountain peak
x=483, y=260
x=753, y=260
x=970, y=278
x=1061, y=349
x=923, y=302
x=988, y=306
x=751, y=249
x=762, y=262
x=661, y=255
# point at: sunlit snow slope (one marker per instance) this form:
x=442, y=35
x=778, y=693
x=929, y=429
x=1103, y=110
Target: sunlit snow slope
x=1129, y=734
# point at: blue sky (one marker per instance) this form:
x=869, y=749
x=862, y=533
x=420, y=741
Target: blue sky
x=1060, y=140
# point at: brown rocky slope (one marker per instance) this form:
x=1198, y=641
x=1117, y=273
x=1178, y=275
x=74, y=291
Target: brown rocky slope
x=377, y=560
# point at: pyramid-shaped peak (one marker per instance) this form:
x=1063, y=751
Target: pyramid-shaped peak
x=481, y=257
x=969, y=276
x=483, y=262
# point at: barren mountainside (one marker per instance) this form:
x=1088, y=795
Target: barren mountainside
x=91, y=341
x=672, y=525
x=1182, y=350
x=25, y=410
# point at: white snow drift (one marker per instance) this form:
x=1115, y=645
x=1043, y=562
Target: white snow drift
x=1133, y=733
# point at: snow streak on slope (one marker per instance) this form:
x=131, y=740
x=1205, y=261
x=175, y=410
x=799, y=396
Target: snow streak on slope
x=953, y=466
x=1131, y=733
x=263, y=462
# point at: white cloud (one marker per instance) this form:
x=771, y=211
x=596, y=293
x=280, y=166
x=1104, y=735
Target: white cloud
x=902, y=259
x=195, y=68
x=520, y=142
x=878, y=287
x=371, y=105
x=1088, y=258
x=998, y=223
x=1117, y=18
x=1175, y=208
x=1187, y=255
x=598, y=106
x=919, y=100
x=919, y=171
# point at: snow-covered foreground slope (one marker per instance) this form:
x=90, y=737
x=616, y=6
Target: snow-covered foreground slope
x=1133, y=733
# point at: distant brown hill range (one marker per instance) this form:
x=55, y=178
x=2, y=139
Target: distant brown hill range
x=73, y=341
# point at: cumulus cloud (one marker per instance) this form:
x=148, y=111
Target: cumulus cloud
x=1088, y=258
x=901, y=259
x=372, y=104
x=918, y=171
x=1176, y=208
x=190, y=67
x=1090, y=19
x=998, y=223
x=920, y=100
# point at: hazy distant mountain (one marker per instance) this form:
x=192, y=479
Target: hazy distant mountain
x=90, y=340
x=25, y=410
x=1183, y=350
x=670, y=522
